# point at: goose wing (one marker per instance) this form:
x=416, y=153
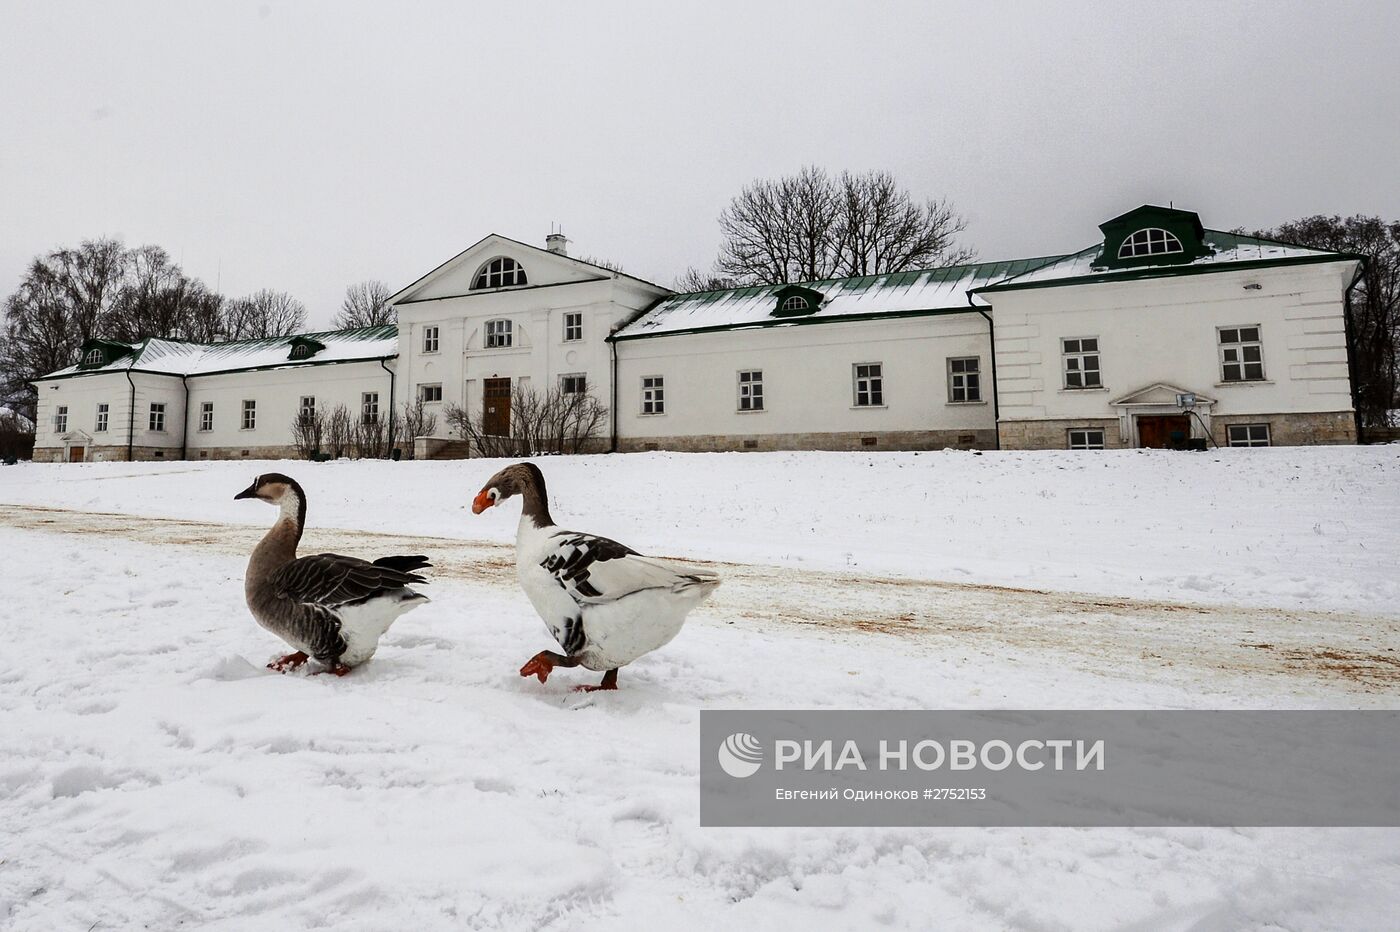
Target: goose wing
x=331, y=579
x=595, y=570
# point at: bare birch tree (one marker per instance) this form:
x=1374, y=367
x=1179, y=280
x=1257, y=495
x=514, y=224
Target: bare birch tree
x=366, y=304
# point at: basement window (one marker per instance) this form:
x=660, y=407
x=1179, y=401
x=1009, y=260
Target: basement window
x=1086, y=438
x=1248, y=435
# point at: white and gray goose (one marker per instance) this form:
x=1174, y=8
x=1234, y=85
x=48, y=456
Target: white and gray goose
x=604, y=603
x=327, y=606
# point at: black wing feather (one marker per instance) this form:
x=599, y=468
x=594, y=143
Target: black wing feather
x=576, y=553
x=332, y=579
x=407, y=564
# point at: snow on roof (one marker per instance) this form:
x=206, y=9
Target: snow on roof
x=944, y=289
x=176, y=357
x=1226, y=248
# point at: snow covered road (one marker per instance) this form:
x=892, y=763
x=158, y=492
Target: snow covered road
x=153, y=774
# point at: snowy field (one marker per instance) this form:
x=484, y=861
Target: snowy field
x=154, y=775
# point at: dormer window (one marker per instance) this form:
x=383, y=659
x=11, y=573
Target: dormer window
x=1153, y=241
x=796, y=301
x=301, y=351
x=93, y=358
x=796, y=304
x=500, y=272
x=304, y=348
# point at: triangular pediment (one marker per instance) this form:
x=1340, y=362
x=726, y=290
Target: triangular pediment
x=457, y=275
x=76, y=436
x=1160, y=393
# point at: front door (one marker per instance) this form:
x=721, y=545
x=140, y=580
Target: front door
x=495, y=409
x=1163, y=431
x=76, y=454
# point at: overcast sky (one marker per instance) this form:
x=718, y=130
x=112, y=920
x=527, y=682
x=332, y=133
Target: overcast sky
x=304, y=146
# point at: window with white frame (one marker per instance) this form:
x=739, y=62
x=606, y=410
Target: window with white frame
x=250, y=414
x=751, y=390
x=575, y=383
x=795, y=303
x=100, y=424
x=369, y=407
x=60, y=419
x=1248, y=435
x=1081, y=362
x=1152, y=241
x=206, y=416
x=500, y=272
x=653, y=394
x=430, y=339
x=301, y=351
x=964, y=379
x=307, y=407
x=869, y=384
x=573, y=326
x=498, y=333
x=1241, y=354
x=93, y=358
x=430, y=393
x=1086, y=438
x=157, y=421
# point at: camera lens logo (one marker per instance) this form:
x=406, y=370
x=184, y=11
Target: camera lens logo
x=741, y=755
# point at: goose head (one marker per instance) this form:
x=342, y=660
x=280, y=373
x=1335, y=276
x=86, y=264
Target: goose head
x=282, y=491
x=519, y=479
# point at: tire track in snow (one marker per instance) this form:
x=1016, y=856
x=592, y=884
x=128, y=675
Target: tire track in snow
x=1106, y=635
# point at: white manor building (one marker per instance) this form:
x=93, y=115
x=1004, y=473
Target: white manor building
x=1162, y=334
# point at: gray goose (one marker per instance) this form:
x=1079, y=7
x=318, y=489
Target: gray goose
x=327, y=606
x=604, y=603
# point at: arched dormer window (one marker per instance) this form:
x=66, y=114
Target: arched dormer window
x=500, y=272
x=795, y=301
x=301, y=351
x=795, y=304
x=304, y=348
x=1153, y=241
x=93, y=358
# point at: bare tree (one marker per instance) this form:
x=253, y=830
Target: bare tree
x=308, y=431
x=541, y=423
x=366, y=304
x=157, y=299
x=811, y=226
x=692, y=279
x=370, y=438
x=16, y=436
x=264, y=314
x=417, y=421
x=338, y=432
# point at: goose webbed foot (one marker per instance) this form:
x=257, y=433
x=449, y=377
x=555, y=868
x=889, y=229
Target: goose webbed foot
x=543, y=664
x=335, y=669
x=289, y=662
x=609, y=682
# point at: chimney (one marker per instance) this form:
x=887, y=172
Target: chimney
x=557, y=243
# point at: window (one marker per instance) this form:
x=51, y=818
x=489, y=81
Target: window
x=1150, y=242
x=1248, y=435
x=157, y=416
x=369, y=407
x=430, y=339
x=101, y=422
x=206, y=416
x=1086, y=439
x=870, y=384
x=301, y=351
x=964, y=381
x=93, y=358
x=307, y=407
x=1241, y=354
x=60, y=419
x=751, y=390
x=794, y=303
x=653, y=394
x=1081, y=356
x=430, y=394
x=575, y=384
x=250, y=415
x=497, y=333
x=500, y=272
x=573, y=326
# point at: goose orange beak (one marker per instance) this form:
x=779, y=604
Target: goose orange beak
x=481, y=502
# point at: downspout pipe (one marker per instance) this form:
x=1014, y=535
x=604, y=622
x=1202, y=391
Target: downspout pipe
x=388, y=452
x=185, y=420
x=612, y=350
x=992, y=338
x=130, y=415
x=1351, y=348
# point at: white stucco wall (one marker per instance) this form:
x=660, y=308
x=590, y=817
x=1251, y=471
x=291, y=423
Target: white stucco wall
x=83, y=394
x=807, y=378
x=1165, y=330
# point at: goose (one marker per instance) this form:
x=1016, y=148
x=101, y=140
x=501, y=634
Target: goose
x=604, y=603
x=327, y=606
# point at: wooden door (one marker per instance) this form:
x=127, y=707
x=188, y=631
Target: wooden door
x=1164, y=431
x=495, y=408
x=76, y=454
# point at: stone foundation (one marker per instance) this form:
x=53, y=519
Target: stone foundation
x=437, y=448
x=972, y=439
x=1054, y=435
x=106, y=454
x=1292, y=430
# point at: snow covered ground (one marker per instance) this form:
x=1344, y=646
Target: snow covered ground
x=153, y=774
